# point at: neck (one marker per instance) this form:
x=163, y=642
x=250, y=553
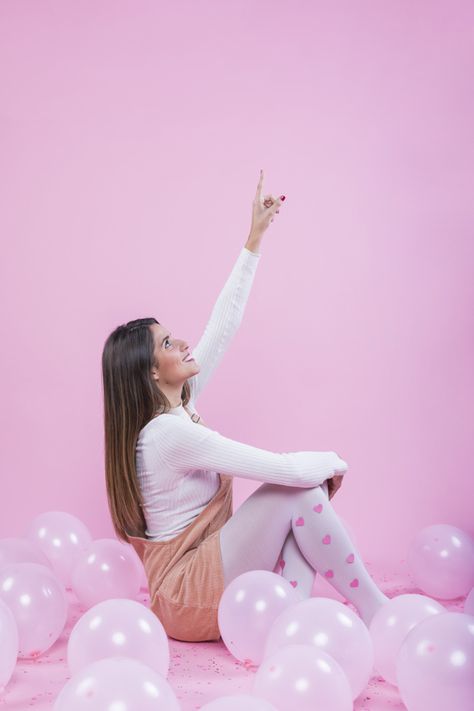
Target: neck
x=173, y=394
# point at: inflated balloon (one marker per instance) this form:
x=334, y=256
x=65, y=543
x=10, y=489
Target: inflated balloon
x=435, y=664
x=21, y=550
x=39, y=605
x=247, y=609
x=441, y=560
x=331, y=626
x=143, y=578
x=9, y=644
x=391, y=624
x=303, y=677
x=119, y=628
x=61, y=537
x=117, y=683
x=106, y=569
x=469, y=603
x=239, y=702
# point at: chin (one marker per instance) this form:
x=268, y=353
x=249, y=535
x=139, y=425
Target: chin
x=197, y=368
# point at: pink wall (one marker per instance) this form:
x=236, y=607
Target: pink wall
x=132, y=135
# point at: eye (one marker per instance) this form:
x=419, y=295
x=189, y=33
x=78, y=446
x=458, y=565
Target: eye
x=167, y=341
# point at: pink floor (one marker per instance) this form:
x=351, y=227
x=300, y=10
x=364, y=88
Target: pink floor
x=199, y=672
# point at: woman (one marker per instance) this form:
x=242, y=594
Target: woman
x=169, y=477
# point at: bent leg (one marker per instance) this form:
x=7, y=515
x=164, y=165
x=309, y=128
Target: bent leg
x=292, y=564
x=294, y=567
x=254, y=536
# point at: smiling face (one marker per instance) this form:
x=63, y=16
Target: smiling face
x=172, y=371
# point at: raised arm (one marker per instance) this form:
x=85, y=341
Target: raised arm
x=225, y=319
x=228, y=311
x=183, y=446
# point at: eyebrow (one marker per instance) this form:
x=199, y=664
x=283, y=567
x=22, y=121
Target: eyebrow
x=164, y=339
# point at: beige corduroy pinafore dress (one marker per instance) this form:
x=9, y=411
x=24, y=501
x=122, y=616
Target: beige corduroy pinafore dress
x=185, y=574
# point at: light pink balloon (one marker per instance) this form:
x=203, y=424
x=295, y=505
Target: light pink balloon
x=441, y=560
x=435, y=664
x=9, y=644
x=39, y=605
x=61, y=537
x=119, y=628
x=247, y=609
x=21, y=550
x=143, y=578
x=469, y=603
x=391, y=624
x=117, y=683
x=238, y=702
x=332, y=627
x=304, y=678
x=105, y=569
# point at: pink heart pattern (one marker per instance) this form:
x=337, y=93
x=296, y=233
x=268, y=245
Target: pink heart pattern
x=299, y=521
x=327, y=539
x=350, y=558
x=354, y=583
x=281, y=563
x=329, y=574
x=318, y=508
x=294, y=583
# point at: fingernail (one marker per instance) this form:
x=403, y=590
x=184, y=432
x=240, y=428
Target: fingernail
x=282, y=197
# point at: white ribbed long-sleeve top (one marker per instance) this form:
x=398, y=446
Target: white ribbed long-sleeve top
x=178, y=461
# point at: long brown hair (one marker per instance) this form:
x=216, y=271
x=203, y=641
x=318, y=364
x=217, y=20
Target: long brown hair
x=131, y=399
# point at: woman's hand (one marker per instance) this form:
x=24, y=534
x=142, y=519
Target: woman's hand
x=334, y=483
x=263, y=209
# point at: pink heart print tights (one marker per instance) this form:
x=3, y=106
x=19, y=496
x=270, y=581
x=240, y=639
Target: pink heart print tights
x=314, y=540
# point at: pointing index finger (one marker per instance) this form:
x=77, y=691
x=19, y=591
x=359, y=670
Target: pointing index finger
x=259, y=186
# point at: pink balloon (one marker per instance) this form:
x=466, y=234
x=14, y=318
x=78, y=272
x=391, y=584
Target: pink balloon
x=39, y=605
x=117, y=683
x=21, y=550
x=61, y=537
x=331, y=626
x=391, y=624
x=119, y=628
x=247, y=609
x=105, y=569
x=435, y=664
x=239, y=702
x=304, y=678
x=469, y=603
x=9, y=644
x=441, y=560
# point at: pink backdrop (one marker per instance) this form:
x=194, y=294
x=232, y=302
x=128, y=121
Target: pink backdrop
x=132, y=135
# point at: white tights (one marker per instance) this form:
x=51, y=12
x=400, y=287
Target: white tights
x=297, y=531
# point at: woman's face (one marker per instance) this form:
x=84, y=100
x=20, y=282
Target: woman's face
x=170, y=354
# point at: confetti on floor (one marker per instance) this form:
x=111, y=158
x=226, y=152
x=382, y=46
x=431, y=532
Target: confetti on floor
x=199, y=672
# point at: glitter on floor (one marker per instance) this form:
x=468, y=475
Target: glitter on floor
x=199, y=672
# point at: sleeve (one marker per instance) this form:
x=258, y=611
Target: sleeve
x=225, y=319
x=184, y=446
